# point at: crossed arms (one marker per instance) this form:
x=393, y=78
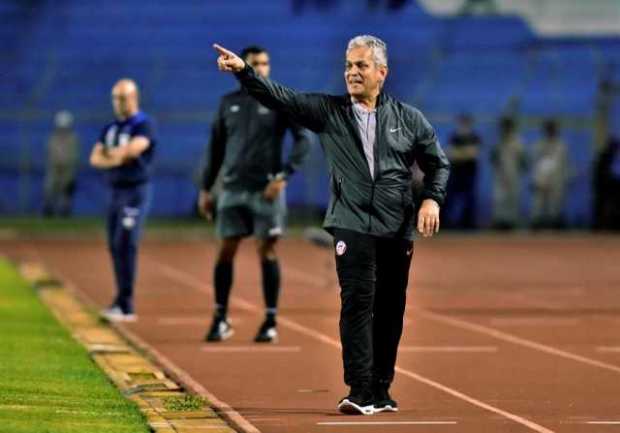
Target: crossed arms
x=105, y=158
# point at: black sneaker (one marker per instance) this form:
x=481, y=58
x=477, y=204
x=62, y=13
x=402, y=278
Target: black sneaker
x=358, y=402
x=382, y=400
x=267, y=333
x=220, y=330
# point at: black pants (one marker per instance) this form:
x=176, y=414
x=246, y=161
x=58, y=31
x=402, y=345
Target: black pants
x=460, y=209
x=373, y=274
x=127, y=212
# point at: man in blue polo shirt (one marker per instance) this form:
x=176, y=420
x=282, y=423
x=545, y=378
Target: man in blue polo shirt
x=124, y=153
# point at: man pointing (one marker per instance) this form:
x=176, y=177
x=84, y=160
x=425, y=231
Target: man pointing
x=371, y=140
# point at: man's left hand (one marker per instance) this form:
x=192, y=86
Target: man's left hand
x=428, y=218
x=274, y=188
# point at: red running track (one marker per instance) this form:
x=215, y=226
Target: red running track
x=503, y=334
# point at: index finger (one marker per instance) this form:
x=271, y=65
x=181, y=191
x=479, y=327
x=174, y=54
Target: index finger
x=220, y=49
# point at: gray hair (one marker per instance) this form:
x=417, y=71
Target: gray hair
x=378, y=47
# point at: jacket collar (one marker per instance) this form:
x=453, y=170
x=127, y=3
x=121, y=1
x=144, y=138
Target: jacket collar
x=381, y=99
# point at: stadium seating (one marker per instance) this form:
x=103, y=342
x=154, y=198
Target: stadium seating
x=71, y=53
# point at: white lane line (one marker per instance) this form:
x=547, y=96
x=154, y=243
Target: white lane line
x=531, y=321
x=264, y=419
x=174, y=321
x=603, y=422
x=448, y=349
x=253, y=349
x=195, y=283
x=345, y=423
x=305, y=278
x=607, y=349
x=504, y=336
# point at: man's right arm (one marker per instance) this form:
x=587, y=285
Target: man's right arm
x=215, y=153
x=215, y=158
x=307, y=109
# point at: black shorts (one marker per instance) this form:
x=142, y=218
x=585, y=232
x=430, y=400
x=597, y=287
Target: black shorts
x=247, y=213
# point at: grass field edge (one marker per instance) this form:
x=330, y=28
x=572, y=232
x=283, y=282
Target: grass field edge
x=142, y=374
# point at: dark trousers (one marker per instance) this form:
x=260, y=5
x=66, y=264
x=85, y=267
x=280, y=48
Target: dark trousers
x=126, y=215
x=373, y=274
x=461, y=202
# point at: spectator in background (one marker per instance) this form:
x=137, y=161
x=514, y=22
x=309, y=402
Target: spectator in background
x=471, y=7
x=607, y=187
x=550, y=173
x=61, y=168
x=509, y=162
x=463, y=150
x=393, y=5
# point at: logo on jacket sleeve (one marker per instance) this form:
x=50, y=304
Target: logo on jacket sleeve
x=341, y=247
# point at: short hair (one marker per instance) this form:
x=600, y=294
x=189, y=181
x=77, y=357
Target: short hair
x=551, y=127
x=63, y=119
x=252, y=49
x=378, y=47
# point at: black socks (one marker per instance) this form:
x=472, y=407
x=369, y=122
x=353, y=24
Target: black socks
x=223, y=277
x=271, y=286
x=222, y=280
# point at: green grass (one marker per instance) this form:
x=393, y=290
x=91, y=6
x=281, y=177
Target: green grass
x=186, y=228
x=48, y=383
x=187, y=403
x=36, y=225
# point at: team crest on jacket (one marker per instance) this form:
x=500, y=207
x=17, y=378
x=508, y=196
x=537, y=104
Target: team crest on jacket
x=341, y=247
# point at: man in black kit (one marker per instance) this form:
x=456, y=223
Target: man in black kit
x=246, y=146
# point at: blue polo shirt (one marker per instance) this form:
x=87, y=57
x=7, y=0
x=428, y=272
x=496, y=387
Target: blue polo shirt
x=119, y=133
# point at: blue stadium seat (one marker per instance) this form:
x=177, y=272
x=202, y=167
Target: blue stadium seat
x=64, y=55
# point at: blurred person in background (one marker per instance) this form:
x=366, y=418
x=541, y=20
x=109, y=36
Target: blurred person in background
x=61, y=168
x=550, y=175
x=509, y=162
x=478, y=7
x=607, y=187
x=463, y=151
x=246, y=146
x=124, y=152
x=392, y=5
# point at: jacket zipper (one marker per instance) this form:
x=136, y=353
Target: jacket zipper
x=355, y=131
x=371, y=207
x=375, y=173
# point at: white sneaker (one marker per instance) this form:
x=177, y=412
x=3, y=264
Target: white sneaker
x=220, y=330
x=115, y=314
x=351, y=407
